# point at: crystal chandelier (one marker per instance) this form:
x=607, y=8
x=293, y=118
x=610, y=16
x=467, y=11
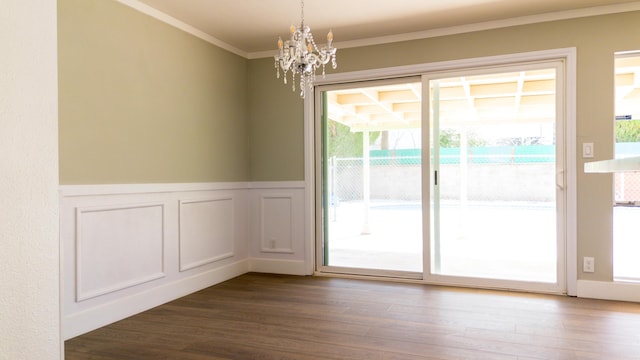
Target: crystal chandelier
x=302, y=57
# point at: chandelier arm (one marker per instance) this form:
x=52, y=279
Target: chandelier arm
x=286, y=64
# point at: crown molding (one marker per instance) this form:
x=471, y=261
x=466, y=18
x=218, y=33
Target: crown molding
x=489, y=25
x=159, y=15
x=453, y=30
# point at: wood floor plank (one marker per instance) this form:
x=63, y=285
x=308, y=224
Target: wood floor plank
x=261, y=316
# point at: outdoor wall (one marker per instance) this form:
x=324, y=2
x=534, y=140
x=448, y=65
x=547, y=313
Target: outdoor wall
x=29, y=264
x=596, y=40
x=144, y=102
x=516, y=182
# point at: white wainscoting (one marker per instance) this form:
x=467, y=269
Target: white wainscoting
x=276, y=223
x=128, y=248
x=206, y=231
x=278, y=228
x=132, y=235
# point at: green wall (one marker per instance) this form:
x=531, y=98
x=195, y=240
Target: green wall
x=596, y=40
x=276, y=133
x=143, y=102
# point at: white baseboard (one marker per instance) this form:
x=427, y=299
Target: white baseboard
x=94, y=318
x=605, y=290
x=277, y=266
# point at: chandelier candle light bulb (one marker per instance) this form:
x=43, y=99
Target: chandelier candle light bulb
x=302, y=57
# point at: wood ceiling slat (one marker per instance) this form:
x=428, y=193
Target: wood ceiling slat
x=538, y=100
x=626, y=79
x=494, y=89
x=407, y=107
x=539, y=86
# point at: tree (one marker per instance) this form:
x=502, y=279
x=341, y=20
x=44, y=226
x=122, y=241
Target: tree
x=627, y=131
x=450, y=138
x=342, y=142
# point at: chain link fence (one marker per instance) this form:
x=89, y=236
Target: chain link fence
x=492, y=171
x=496, y=173
x=627, y=184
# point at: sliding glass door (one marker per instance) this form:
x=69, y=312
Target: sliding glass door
x=370, y=163
x=497, y=178
x=453, y=177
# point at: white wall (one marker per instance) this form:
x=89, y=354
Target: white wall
x=29, y=270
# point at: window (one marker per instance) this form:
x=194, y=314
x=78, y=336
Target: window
x=626, y=211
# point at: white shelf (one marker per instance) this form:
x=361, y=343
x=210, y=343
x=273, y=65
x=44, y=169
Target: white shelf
x=612, y=166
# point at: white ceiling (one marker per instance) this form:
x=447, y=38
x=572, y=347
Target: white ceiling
x=252, y=27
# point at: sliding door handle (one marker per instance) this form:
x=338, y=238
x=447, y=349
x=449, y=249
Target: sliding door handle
x=560, y=179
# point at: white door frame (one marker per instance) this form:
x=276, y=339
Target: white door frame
x=567, y=55
x=333, y=269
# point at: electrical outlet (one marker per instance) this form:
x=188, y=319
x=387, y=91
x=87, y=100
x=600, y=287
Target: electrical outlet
x=588, y=264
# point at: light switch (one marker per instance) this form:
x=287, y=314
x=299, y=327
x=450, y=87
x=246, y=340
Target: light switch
x=587, y=150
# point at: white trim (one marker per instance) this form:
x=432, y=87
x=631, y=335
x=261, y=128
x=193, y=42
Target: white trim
x=606, y=290
x=447, y=65
x=169, y=20
x=309, y=208
x=482, y=26
x=571, y=168
x=122, y=189
x=277, y=185
x=96, y=317
x=208, y=261
x=278, y=266
x=452, y=30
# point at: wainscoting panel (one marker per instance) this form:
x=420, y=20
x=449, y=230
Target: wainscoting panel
x=118, y=247
x=277, y=227
x=206, y=231
x=128, y=248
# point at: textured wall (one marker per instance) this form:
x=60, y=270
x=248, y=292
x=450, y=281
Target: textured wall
x=29, y=271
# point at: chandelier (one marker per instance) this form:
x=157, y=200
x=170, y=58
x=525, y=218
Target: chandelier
x=302, y=57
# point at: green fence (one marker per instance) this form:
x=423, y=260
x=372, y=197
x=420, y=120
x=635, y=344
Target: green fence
x=475, y=155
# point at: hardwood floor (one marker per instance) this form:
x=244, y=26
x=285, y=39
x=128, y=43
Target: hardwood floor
x=260, y=316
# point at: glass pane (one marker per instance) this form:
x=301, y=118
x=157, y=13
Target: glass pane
x=372, y=178
x=626, y=184
x=494, y=203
